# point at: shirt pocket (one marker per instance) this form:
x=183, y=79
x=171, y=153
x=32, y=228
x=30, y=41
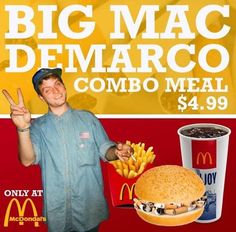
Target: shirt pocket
x=86, y=152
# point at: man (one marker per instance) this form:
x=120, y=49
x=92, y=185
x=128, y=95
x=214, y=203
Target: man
x=68, y=145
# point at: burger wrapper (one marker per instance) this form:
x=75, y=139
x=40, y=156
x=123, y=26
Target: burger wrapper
x=121, y=188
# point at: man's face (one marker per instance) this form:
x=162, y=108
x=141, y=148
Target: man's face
x=53, y=92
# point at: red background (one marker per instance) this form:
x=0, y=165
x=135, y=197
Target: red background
x=159, y=133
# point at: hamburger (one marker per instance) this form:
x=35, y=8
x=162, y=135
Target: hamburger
x=169, y=195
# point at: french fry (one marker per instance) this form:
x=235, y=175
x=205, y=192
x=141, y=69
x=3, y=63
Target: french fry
x=144, y=158
x=149, y=150
x=125, y=166
x=152, y=159
x=139, y=161
x=119, y=165
x=149, y=157
x=134, y=167
x=135, y=174
x=120, y=171
x=126, y=172
x=138, y=152
x=142, y=166
x=131, y=174
x=130, y=162
x=114, y=164
x=143, y=146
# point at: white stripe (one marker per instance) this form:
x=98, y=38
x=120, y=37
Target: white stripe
x=166, y=116
x=150, y=116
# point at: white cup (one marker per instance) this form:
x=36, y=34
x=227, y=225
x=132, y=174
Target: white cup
x=208, y=158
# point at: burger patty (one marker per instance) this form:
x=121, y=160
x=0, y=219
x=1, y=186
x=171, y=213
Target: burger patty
x=168, y=209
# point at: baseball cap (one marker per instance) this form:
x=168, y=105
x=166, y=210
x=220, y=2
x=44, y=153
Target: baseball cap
x=41, y=73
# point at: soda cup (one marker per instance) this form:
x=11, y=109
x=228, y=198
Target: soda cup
x=204, y=149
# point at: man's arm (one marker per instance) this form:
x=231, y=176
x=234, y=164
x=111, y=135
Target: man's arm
x=110, y=150
x=26, y=151
x=21, y=117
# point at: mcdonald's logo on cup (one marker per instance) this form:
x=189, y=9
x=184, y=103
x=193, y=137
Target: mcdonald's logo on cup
x=204, y=154
x=204, y=157
x=21, y=212
x=129, y=189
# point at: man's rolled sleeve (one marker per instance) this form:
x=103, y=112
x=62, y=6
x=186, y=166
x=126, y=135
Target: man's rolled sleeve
x=102, y=141
x=104, y=147
x=37, y=154
x=35, y=140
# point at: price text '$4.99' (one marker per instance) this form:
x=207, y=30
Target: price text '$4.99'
x=211, y=103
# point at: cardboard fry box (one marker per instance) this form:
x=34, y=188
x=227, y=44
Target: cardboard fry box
x=121, y=188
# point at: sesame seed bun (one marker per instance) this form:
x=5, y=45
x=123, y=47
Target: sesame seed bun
x=169, y=183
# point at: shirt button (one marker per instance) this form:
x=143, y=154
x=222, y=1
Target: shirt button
x=81, y=145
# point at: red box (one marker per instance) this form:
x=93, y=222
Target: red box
x=121, y=188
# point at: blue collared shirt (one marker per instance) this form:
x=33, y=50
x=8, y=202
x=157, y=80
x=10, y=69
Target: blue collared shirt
x=68, y=148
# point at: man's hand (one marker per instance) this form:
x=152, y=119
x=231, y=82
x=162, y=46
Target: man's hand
x=123, y=151
x=19, y=113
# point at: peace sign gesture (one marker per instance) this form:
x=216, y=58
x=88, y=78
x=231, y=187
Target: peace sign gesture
x=20, y=115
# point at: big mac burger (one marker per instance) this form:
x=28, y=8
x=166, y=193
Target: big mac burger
x=169, y=195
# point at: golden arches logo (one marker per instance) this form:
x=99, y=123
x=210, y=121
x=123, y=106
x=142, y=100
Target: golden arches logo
x=204, y=157
x=130, y=191
x=21, y=211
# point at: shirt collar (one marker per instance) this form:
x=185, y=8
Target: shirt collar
x=64, y=115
